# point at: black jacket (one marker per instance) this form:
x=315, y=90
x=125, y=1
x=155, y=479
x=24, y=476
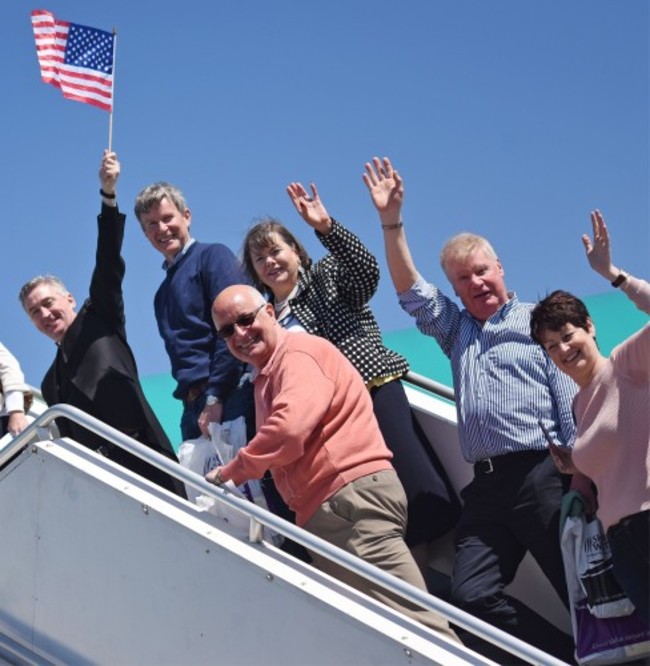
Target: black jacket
x=95, y=369
x=332, y=302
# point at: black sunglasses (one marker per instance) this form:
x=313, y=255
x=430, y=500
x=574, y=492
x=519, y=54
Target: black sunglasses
x=243, y=321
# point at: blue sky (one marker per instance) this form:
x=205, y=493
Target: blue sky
x=509, y=118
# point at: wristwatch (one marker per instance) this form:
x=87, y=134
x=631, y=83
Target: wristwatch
x=213, y=400
x=620, y=278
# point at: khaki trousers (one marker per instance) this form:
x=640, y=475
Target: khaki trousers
x=367, y=517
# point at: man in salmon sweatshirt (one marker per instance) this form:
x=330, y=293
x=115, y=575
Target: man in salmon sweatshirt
x=317, y=433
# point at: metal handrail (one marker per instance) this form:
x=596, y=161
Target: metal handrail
x=260, y=516
x=430, y=385
x=36, y=392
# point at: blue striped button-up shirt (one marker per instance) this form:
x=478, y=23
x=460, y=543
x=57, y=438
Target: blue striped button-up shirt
x=504, y=382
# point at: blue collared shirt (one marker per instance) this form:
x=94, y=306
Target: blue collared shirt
x=504, y=382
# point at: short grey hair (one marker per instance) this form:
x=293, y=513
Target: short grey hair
x=37, y=281
x=153, y=194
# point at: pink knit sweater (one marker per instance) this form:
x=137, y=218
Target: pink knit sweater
x=316, y=430
x=613, y=416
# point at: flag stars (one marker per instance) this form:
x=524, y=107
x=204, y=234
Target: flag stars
x=89, y=47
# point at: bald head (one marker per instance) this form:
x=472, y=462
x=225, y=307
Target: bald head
x=240, y=293
x=247, y=323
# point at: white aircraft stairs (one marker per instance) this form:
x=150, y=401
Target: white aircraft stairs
x=100, y=566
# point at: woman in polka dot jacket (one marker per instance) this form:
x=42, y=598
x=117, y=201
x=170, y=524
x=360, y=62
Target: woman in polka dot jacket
x=330, y=298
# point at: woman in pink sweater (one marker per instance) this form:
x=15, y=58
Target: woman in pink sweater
x=612, y=412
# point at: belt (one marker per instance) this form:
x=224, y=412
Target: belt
x=195, y=391
x=380, y=381
x=496, y=464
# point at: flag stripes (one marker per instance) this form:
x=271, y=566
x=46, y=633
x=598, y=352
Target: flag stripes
x=76, y=59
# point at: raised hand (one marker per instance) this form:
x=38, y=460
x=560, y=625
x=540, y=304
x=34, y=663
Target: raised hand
x=310, y=208
x=109, y=172
x=386, y=189
x=598, y=250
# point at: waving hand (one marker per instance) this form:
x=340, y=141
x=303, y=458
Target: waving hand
x=598, y=250
x=386, y=189
x=310, y=208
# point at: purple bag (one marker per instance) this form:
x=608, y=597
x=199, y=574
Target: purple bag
x=608, y=640
x=599, y=640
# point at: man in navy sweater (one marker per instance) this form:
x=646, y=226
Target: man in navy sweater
x=205, y=371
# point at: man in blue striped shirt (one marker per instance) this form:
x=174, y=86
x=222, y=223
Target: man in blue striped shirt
x=503, y=385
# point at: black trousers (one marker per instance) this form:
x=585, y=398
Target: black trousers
x=629, y=540
x=509, y=510
x=433, y=508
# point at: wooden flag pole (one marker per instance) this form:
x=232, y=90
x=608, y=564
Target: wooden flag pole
x=110, y=117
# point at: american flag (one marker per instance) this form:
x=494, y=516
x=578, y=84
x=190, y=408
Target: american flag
x=75, y=58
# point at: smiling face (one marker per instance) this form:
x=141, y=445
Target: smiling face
x=573, y=349
x=51, y=310
x=562, y=325
x=255, y=340
x=478, y=280
x=167, y=229
x=276, y=266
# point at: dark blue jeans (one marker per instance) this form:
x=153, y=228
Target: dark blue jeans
x=629, y=541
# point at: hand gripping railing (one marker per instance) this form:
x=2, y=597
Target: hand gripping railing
x=260, y=516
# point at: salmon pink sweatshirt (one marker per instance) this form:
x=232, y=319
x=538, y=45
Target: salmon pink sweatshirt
x=316, y=430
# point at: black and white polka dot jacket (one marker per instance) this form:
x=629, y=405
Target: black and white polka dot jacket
x=332, y=302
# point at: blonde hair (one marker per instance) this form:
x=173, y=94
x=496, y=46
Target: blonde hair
x=459, y=247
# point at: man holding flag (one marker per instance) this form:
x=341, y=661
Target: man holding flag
x=94, y=369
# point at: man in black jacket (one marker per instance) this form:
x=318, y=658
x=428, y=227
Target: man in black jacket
x=94, y=368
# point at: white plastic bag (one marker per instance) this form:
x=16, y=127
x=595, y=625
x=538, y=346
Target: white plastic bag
x=199, y=456
x=227, y=439
x=598, y=640
x=202, y=455
x=595, y=569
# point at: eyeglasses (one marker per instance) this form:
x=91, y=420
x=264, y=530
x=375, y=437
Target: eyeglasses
x=243, y=321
